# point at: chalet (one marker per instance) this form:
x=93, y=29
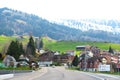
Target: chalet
x=46, y=58
x=91, y=63
x=95, y=50
x=70, y=52
x=9, y=61
x=82, y=48
x=65, y=58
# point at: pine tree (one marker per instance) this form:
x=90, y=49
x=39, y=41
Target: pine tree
x=41, y=43
x=75, y=61
x=111, y=50
x=15, y=49
x=21, y=48
x=31, y=46
x=10, y=50
x=0, y=56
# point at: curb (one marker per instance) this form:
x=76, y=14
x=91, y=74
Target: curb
x=14, y=71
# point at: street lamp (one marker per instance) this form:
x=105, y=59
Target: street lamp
x=119, y=58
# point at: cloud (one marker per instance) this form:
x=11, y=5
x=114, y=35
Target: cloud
x=53, y=9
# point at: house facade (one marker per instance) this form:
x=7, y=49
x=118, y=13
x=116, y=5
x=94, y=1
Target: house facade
x=49, y=57
x=46, y=59
x=65, y=58
x=100, y=57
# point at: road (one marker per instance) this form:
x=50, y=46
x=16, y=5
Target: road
x=60, y=73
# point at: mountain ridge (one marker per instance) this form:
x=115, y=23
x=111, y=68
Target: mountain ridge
x=20, y=23
x=110, y=25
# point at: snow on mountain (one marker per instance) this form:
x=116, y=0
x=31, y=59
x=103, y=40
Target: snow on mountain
x=93, y=24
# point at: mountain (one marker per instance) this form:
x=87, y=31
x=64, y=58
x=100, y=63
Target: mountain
x=20, y=23
x=112, y=26
x=16, y=22
x=95, y=29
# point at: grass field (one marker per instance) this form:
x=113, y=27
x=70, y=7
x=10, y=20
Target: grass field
x=63, y=46
x=5, y=41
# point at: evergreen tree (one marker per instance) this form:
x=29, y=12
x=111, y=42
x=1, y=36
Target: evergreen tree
x=15, y=49
x=41, y=43
x=31, y=46
x=75, y=61
x=11, y=48
x=111, y=50
x=21, y=48
x=0, y=56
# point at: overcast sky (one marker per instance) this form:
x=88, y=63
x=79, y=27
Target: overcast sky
x=67, y=9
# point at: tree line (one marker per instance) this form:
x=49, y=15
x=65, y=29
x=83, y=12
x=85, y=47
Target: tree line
x=16, y=49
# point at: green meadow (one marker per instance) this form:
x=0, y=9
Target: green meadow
x=61, y=46
x=5, y=41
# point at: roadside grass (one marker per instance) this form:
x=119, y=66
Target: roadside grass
x=113, y=73
x=104, y=72
x=74, y=68
x=18, y=68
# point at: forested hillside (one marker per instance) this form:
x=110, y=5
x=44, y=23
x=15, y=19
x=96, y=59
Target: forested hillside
x=14, y=22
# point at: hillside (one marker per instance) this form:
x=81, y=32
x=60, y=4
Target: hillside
x=4, y=42
x=95, y=29
x=63, y=46
x=14, y=22
x=54, y=45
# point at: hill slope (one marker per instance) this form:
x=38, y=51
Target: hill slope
x=16, y=22
x=64, y=46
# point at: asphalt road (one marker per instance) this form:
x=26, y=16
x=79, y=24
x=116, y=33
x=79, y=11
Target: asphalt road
x=60, y=73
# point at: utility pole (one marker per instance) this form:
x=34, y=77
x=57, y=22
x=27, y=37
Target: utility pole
x=85, y=60
x=118, y=62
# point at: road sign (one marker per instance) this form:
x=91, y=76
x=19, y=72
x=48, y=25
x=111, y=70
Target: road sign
x=104, y=67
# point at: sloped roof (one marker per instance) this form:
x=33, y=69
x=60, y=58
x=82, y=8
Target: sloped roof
x=9, y=58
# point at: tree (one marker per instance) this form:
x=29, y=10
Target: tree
x=75, y=61
x=31, y=46
x=111, y=50
x=15, y=49
x=41, y=43
x=21, y=48
x=0, y=56
x=11, y=48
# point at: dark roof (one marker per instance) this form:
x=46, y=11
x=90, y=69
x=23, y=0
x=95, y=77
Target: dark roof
x=92, y=59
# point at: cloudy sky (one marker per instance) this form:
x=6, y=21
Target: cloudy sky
x=67, y=9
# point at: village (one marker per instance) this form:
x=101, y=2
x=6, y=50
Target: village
x=90, y=58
